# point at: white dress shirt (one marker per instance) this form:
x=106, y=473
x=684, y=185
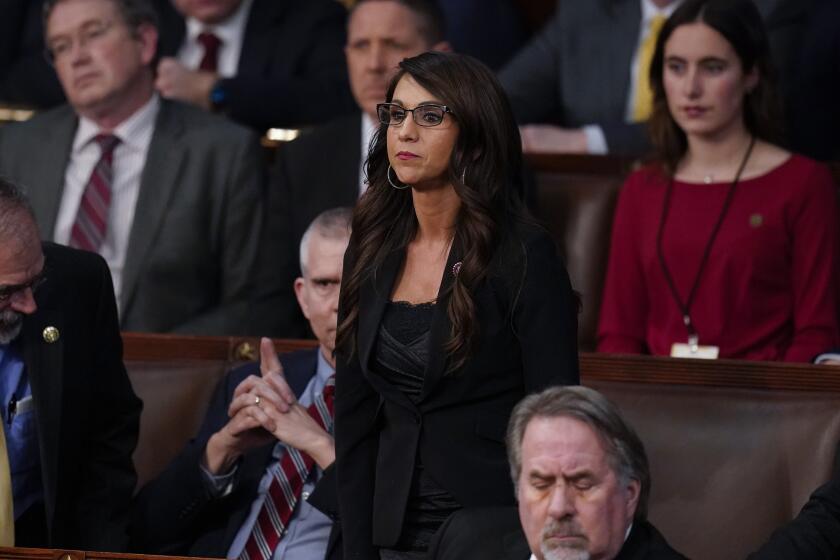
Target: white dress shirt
x=308, y=532
x=369, y=127
x=595, y=139
x=232, y=33
x=135, y=134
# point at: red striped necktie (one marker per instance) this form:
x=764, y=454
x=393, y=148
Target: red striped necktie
x=91, y=223
x=284, y=490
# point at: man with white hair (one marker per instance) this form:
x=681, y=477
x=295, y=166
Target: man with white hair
x=222, y=495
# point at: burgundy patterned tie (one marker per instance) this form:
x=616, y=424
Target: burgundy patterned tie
x=91, y=223
x=211, y=44
x=284, y=490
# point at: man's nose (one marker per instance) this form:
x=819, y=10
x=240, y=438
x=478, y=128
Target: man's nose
x=562, y=502
x=24, y=302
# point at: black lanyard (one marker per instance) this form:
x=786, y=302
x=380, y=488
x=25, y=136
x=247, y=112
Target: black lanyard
x=686, y=307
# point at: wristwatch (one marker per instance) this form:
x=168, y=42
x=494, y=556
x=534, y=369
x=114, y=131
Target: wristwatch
x=218, y=96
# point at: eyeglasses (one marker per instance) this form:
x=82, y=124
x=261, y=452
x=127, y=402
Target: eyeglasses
x=89, y=33
x=9, y=291
x=426, y=115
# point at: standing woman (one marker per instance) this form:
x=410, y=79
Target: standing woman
x=453, y=307
x=728, y=246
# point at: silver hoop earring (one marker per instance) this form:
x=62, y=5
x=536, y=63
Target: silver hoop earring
x=464, y=177
x=393, y=184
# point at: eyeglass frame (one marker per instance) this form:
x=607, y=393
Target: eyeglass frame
x=445, y=109
x=82, y=37
x=8, y=291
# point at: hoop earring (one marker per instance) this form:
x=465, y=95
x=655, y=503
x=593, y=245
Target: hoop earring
x=393, y=184
x=464, y=177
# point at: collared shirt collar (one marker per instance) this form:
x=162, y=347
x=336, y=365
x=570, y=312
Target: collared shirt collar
x=323, y=370
x=228, y=30
x=135, y=131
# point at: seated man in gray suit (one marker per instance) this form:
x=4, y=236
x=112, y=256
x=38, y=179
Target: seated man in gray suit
x=324, y=167
x=210, y=500
x=581, y=84
x=167, y=194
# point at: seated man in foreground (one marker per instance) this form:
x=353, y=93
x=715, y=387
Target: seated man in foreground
x=241, y=486
x=583, y=481
x=72, y=418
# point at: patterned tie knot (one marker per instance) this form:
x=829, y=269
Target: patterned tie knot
x=107, y=143
x=209, y=40
x=211, y=44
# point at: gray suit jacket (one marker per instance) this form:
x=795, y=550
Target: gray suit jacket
x=194, y=238
x=576, y=71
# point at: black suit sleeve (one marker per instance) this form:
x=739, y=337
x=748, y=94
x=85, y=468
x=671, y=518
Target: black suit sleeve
x=275, y=312
x=313, y=92
x=546, y=304
x=813, y=535
x=110, y=433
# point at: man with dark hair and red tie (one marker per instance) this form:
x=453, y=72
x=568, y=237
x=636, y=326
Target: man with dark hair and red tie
x=168, y=194
x=240, y=488
x=263, y=63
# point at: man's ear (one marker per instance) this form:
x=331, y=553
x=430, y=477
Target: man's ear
x=442, y=46
x=147, y=36
x=634, y=491
x=300, y=286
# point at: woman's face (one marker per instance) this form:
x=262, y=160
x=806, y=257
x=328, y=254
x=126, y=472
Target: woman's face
x=420, y=155
x=704, y=82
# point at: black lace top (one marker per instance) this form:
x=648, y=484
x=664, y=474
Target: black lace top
x=400, y=356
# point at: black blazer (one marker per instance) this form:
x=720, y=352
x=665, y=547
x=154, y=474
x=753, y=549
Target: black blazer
x=292, y=69
x=526, y=313
x=88, y=416
x=173, y=514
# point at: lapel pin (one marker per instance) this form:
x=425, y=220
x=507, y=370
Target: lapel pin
x=456, y=268
x=51, y=335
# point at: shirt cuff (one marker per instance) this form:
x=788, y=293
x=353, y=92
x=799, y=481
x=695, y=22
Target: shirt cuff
x=596, y=142
x=218, y=486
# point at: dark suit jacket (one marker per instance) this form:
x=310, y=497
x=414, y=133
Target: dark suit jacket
x=173, y=514
x=577, y=70
x=88, y=415
x=495, y=534
x=196, y=226
x=316, y=172
x=292, y=71
x=527, y=320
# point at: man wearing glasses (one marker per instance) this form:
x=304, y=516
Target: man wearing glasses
x=167, y=193
x=70, y=417
x=324, y=168
x=215, y=498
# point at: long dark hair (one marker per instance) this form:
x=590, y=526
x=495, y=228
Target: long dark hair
x=739, y=21
x=485, y=170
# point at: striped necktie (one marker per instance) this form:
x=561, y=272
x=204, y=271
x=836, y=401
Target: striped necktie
x=643, y=96
x=91, y=223
x=284, y=490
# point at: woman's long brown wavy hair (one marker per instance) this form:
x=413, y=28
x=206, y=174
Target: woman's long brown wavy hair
x=740, y=23
x=485, y=170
